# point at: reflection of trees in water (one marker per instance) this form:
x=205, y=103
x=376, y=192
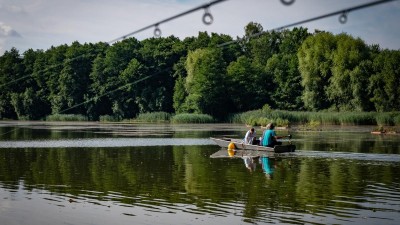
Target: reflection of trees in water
x=348, y=142
x=184, y=174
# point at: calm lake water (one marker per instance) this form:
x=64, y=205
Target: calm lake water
x=91, y=173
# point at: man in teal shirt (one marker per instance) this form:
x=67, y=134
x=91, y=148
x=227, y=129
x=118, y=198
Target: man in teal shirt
x=270, y=139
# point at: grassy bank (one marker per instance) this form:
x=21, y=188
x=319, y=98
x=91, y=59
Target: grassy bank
x=258, y=118
x=285, y=118
x=192, y=118
x=66, y=117
x=153, y=117
x=179, y=118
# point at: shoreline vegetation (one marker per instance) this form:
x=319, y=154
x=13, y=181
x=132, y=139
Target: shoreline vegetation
x=385, y=121
x=197, y=80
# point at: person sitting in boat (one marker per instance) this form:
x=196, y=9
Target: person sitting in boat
x=270, y=139
x=250, y=136
x=266, y=128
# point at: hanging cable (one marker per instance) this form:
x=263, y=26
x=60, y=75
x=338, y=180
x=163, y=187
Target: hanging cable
x=348, y=10
x=204, y=6
x=342, y=19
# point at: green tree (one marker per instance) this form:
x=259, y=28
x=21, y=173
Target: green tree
x=315, y=62
x=286, y=89
x=11, y=71
x=159, y=55
x=128, y=103
x=180, y=92
x=385, y=82
x=282, y=67
x=252, y=28
x=261, y=48
x=206, y=82
x=347, y=76
x=29, y=103
x=47, y=72
x=248, y=86
x=74, y=79
x=107, y=85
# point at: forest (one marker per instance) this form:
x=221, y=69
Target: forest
x=213, y=74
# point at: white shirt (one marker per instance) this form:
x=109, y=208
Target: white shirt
x=248, y=139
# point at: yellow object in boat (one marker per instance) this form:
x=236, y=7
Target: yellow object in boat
x=231, y=145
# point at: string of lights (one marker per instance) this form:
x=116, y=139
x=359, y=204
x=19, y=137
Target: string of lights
x=207, y=19
x=342, y=19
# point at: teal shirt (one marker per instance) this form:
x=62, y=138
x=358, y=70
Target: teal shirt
x=268, y=137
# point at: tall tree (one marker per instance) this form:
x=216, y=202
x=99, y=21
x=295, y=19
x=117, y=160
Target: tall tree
x=48, y=70
x=31, y=103
x=206, y=82
x=315, y=61
x=346, y=74
x=263, y=47
x=159, y=55
x=180, y=92
x=385, y=82
x=282, y=67
x=74, y=79
x=248, y=86
x=106, y=84
x=11, y=70
x=285, y=87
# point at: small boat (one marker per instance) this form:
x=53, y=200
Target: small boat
x=224, y=142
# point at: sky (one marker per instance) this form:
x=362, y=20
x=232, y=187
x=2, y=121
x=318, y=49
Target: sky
x=40, y=24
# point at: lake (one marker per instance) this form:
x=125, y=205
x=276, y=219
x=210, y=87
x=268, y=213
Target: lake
x=93, y=173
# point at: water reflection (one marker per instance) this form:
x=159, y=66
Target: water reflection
x=182, y=184
x=249, y=163
x=104, y=142
x=139, y=181
x=268, y=165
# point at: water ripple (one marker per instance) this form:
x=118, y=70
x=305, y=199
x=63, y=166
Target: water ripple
x=105, y=142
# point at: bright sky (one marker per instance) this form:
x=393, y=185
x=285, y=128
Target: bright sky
x=40, y=24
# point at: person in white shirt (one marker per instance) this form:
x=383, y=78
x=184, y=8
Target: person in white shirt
x=250, y=136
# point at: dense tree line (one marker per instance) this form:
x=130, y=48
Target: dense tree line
x=289, y=69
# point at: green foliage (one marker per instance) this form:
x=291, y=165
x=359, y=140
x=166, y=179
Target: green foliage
x=347, y=77
x=288, y=70
x=385, y=83
x=315, y=62
x=244, y=85
x=385, y=119
x=154, y=117
x=286, y=80
x=355, y=118
x=285, y=118
x=192, y=118
x=205, y=82
x=109, y=118
x=396, y=120
x=66, y=117
x=10, y=70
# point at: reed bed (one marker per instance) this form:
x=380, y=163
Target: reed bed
x=192, y=118
x=154, y=117
x=109, y=118
x=284, y=118
x=66, y=117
